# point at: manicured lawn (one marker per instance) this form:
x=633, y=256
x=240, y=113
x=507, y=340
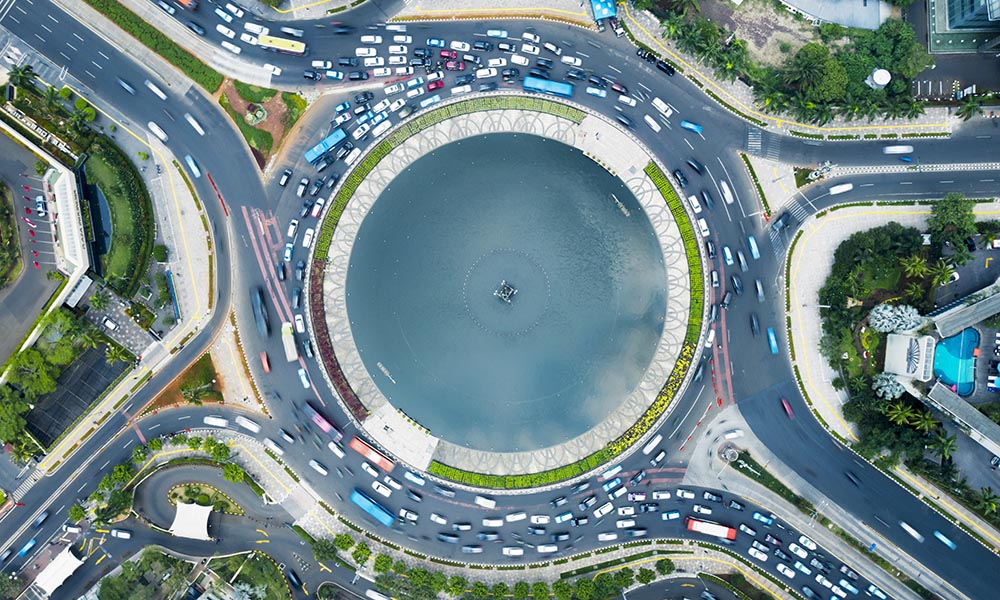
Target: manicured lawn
x=258, y=139
x=253, y=93
x=10, y=249
x=258, y=570
x=119, y=259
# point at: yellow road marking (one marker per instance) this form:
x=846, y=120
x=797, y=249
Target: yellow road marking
x=988, y=262
x=955, y=510
x=103, y=556
x=263, y=541
x=103, y=530
x=323, y=567
x=262, y=532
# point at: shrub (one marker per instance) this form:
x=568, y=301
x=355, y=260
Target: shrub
x=160, y=253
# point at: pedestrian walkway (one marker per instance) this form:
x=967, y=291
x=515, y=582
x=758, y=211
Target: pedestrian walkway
x=647, y=30
x=572, y=11
x=707, y=469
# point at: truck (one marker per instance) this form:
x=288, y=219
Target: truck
x=288, y=340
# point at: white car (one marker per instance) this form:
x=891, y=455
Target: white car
x=530, y=37
x=608, y=536
x=627, y=100
x=367, y=468
x=570, y=60
x=626, y=511
x=365, y=52
x=757, y=554
x=374, y=61
x=343, y=118
x=256, y=29
x=808, y=543
x=409, y=515
x=497, y=63
x=512, y=551
x=304, y=379
x=371, y=39
x=307, y=238
x=603, y=510
x=786, y=571
x=318, y=207
x=236, y=10
x=685, y=494
x=229, y=33
x=486, y=73
x=316, y=466
x=438, y=519
x=397, y=104
x=435, y=76
x=381, y=489
x=804, y=569
x=797, y=550
x=625, y=523
x=540, y=519
x=275, y=71
x=382, y=72
x=517, y=59
x=231, y=47
x=529, y=49
x=246, y=38
x=394, y=89
x=393, y=483
x=404, y=70
x=397, y=50
x=293, y=228
x=382, y=105
x=415, y=92
x=300, y=324
x=823, y=581
x=702, y=510
x=460, y=46
x=661, y=495
x=402, y=39
x=397, y=60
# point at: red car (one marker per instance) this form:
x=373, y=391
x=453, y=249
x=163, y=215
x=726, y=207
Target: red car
x=449, y=54
x=788, y=408
x=435, y=85
x=454, y=65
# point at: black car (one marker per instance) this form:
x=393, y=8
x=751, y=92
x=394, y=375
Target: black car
x=545, y=63
x=313, y=75
x=737, y=284
x=781, y=222
x=536, y=530
x=644, y=54
x=581, y=487
x=770, y=539
x=414, y=496
x=560, y=537
x=754, y=325
x=488, y=536
x=707, y=199
x=363, y=97
x=357, y=75
x=711, y=496
x=681, y=179
x=506, y=47
x=465, y=79
x=448, y=538
x=487, y=87
x=317, y=186
x=649, y=507
x=195, y=27
x=695, y=165
x=854, y=478
x=781, y=554
x=444, y=491
x=325, y=162
x=710, y=248
x=418, y=62
x=579, y=521
x=300, y=269
x=280, y=271
x=557, y=502
x=421, y=52
x=510, y=73
x=347, y=61
x=627, y=122
x=598, y=81
x=293, y=578
x=296, y=298
x=344, y=150
x=483, y=46
x=665, y=67
x=342, y=29
x=576, y=74
x=332, y=181
x=539, y=73
x=970, y=244
x=638, y=477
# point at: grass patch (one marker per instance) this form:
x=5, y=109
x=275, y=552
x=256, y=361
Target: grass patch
x=258, y=139
x=752, y=469
x=756, y=183
x=199, y=380
x=253, y=93
x=10, y=248
x=152, y=38
x=296, y=107
x=204, y=495
x=809, y=136
x=802, y=176
x=256, y=570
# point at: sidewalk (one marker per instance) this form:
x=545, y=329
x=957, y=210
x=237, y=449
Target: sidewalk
x=646, y=29
x=707, y=470
x=570, y=11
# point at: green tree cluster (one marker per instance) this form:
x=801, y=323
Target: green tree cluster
x=952, y=220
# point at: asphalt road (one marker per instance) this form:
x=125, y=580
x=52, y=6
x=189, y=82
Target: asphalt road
x=729, y=223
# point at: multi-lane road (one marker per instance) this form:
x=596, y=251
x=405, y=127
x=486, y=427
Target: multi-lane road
x=801, y=443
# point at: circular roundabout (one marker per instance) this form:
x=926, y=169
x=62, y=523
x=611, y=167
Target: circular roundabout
x=503, y=296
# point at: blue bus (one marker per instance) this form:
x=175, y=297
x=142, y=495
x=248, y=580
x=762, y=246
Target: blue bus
x=772, y=341
x=329, y=142
x=374, y=509
x=544, y=86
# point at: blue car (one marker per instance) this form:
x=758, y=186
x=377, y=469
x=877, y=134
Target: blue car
x=435, y=42
x=766, y=520
x=772, y=341
x=944, y=540
x=607, y=487
x=691, y=126
x=342, y=107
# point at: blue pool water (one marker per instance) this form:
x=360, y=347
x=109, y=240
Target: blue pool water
x=954, y=364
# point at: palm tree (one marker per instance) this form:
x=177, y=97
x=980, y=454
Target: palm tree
x=684, y=6
x=115, y=353
x=914, y=266
x=915, y=291
x=895, y=109
x=99, y=301
x=899, y=413
x=940, y=272
x=90, y=338
x=988, y=500
x=21, y=76
x=804, y=71
x=51, y=98
x=924, y=422
x=22, y=450
x=970, y=108
x=78, y=120
x=944, y=445
x=914, y=109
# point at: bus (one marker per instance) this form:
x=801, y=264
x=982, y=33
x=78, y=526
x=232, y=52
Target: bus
x=710, y=528
x=374, y=509
x=276, y=44
x=371, y=454
x=319, y=421
x=544, y=86
x=328, y=143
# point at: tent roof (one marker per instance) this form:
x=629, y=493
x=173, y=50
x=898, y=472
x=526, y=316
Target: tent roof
x=191, y=521
x=57, y=571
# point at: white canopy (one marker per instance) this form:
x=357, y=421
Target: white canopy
x=57, y=571
x=191, y=521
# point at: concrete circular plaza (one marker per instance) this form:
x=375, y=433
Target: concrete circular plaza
x=659, y=323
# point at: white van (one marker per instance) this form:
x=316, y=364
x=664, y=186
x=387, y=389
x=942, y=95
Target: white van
x=703, y=227
x=72, y=528
x=496, y=522
x=518, y=516
x=727, y=194
x=414, y=478
x=318, y=467
x=273, y=447
x=653, y=443
x=662, y=107
x=486, y=502
x=695, y=204
x=352, y=156
x=428, y=101
x=512, y=551
x=840, y=189
x=381, y=128
x=547, y=548
x=215, y=421
x=123, y=534
x=153, y=127
x=247, y=424
x=710, y=339
x=611, y=472
x=371, y=39
x=897, y=150
x=652, y=123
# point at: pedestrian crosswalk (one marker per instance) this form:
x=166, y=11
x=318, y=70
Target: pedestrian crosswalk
x=772, y=147
x=5, y=6
x=26, y=485
x=754, y=140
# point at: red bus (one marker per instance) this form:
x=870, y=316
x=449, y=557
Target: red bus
x=710, y=528
x=371, y=454
x=319, y=421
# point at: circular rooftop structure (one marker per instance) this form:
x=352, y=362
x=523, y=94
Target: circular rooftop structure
x=506, y=292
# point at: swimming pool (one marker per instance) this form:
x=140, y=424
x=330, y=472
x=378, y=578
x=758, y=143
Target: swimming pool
x=954, y=364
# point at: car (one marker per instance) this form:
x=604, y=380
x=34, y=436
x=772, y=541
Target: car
x=544, y=63
x=619, y=88
x=342, y=118
x=303, y=185
x=529, y=49
x=562, y=536
x=497, y=33
x=300, y=269
x=786, y=571
x=435, y=42
x=626, y=511
x=381, y=489
x=435, y=85
x=195, y=27
x=610, y=485
x=557, y=502
x=807, y=543
x=572, y=61
x=607, y=536
x=681, y=179
x=818, y=565
x=639, y=476
x=781, y=555
x=540, y=519
x=398, y=49
x=670, y=515
x=853, y=478
x=873, y=590
x=413, y=93
x=300, y=323
x=661, y=495
x=448, y=538
x=772, y=540
x=488, y=536
x=624, y=523
x=798, y=550
x=733, y=504
x=536, y=530
x=460, y=46
x=539, y=73
x=665, y=67
x=748, y=530
x=637, y=497
x=742, y=260
x=464, y=79
x=648, y=507
x=645, y=55
x=765, y=519
x=357, y=76
x=707, y=495
x=454, y=65
x=482, y=46
x=436, y=518
x=759, y=287
x=579, y=521
x=385, y=71
x=562, y=518
x=802, y=568
x=702, y=510
x=940, y=537
x=685, y=494
x=317, y=186
x=757, y=554
x=486, y=73
x=635, y=532
x=849, y=573
x=656, y=460
x=588, y=502
x=627, y=122
x=694, y=127
x=227, y=32
x=287, y=256
x=507, y=47
x=726, y=301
